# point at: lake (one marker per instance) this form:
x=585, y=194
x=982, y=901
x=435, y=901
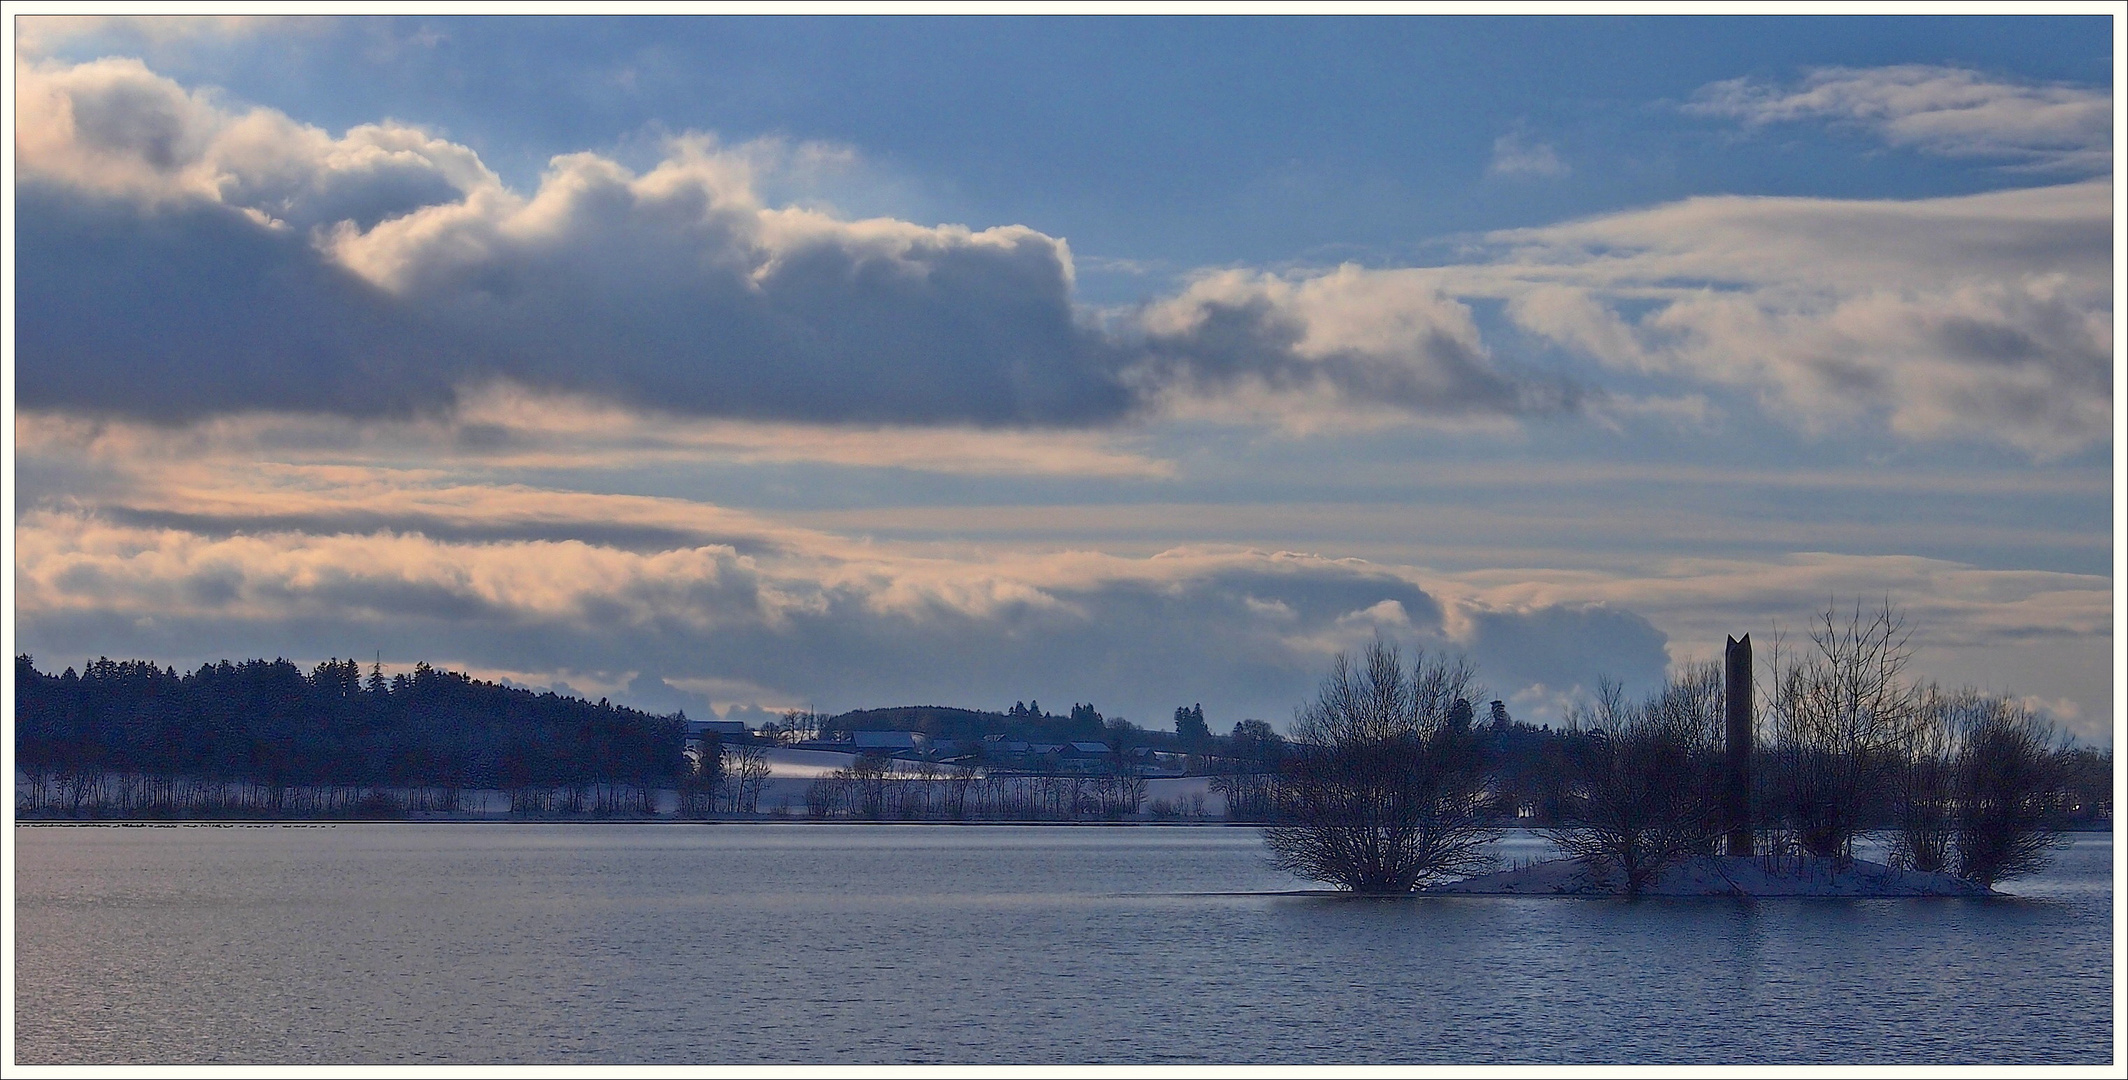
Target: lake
x=682, y=943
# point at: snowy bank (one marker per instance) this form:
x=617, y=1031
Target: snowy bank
x=1720, y=875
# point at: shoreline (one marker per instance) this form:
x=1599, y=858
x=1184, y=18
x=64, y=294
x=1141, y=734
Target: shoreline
x=1748, y=878
x=188, y=823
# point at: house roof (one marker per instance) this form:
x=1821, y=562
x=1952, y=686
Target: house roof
x=895, y=740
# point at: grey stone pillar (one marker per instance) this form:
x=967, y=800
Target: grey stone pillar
x=1736, y=771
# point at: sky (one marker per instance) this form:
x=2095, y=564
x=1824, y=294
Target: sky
x=747, y=364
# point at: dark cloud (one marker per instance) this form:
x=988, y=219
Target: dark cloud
x=179, y=313
x=1254, y=339
x=625, y=536
x=197, y=310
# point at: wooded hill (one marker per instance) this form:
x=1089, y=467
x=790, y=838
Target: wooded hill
x=267, y=720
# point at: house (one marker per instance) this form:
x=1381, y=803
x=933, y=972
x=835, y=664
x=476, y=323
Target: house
x=728, y=730
x=885, y=742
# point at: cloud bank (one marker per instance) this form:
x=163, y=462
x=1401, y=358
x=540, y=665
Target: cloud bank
x=385, y=270
x=182, y=257
x=1985, y=317
x=803, y=618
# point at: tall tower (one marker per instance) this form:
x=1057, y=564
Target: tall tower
x=1736, y=771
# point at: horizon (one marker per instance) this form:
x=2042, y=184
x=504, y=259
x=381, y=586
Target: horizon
x=737, y=365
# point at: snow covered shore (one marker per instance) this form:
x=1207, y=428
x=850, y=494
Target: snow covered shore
x=1720, y=875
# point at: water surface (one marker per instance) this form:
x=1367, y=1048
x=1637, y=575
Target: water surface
x=417, y=943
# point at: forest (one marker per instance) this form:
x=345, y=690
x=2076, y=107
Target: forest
x=264, y=737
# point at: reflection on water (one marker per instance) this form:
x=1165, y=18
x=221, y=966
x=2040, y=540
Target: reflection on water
x=683, y=943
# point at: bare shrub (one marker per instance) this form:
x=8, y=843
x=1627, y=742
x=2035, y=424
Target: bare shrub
x=1380, y=794
x=1927, y=783
x=1248, y=796
x=1644, y=790
x=2008, y=779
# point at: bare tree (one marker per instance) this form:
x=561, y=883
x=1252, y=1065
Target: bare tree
x=1842, y=716
x=1249, y=796
x=1644, y=784
x=749, y=773
x=867, y=774
x=1380, y=794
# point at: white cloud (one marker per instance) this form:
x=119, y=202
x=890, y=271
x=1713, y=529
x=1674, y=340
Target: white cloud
x=38, y=35
x=112, y=127
x=1937, y=110
x=1515, y=154
x=1984, y=317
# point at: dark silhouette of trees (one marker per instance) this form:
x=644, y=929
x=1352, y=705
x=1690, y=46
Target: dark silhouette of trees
x=2008, y=785
x=970, y=726
x=1256, y=744
x=2087, y=781
x=318, y=742
x=1190, y=729
x=1842, y=717
x=748, y=773
x=1927, y=783
x=1379, y=793
x=701, y=784
x=1643, y=781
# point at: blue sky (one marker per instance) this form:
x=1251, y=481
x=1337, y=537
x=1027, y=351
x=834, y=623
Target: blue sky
x=759, y=363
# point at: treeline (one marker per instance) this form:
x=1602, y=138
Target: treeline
x=964, y=725
x=264, y=737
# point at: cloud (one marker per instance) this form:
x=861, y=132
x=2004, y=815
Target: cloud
x=1946, y=111
x=1984, y=318
x=780, y=615
x=1351, y=337
x=1568, y=645
x=387, y=272
x=1514, y=154
x=841, y=625
x=501, y=426
x=163, y=542
x=319, y=262
x=39, y=35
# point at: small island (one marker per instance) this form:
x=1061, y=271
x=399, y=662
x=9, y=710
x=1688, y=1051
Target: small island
x=1673, y=796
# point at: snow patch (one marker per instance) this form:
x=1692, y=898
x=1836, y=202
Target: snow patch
x=1721, y=875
